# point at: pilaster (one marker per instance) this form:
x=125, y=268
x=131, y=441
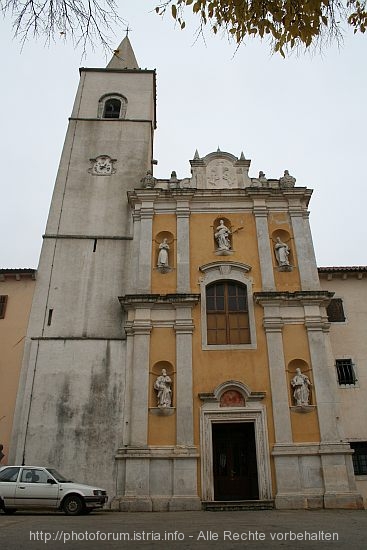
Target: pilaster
x=184, y=399
x=303, y=243
x=145, y=243
x=265, y=255
x=325, y=385
x=183, y=244
x=140, y=330
x=273, y=325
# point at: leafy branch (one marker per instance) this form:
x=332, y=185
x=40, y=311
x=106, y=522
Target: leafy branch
x=288, y=24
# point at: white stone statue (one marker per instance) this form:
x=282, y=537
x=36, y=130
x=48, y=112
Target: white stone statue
x=287, y=180
x=222, y=236
x=163, y=388
x=281, y=253
x=301, y=384
x=163, y=254
x=148, y=181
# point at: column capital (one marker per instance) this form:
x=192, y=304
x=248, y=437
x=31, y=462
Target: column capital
x=315, y=325
x=134, y=328
x=183, y=326
x=274, y=324
x=260, y=210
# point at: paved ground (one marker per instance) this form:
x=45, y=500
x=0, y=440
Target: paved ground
x=185, y=530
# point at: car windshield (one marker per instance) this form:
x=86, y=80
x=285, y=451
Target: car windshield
x=59, y=477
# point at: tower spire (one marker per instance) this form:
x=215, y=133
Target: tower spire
x=123, y=57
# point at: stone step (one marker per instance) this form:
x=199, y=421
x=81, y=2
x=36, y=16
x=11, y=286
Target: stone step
x=237, y=505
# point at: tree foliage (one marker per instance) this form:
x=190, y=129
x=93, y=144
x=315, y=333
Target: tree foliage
x=84, y=22
x=289, y=24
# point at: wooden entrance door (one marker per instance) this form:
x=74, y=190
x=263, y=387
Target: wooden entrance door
x=234, y=461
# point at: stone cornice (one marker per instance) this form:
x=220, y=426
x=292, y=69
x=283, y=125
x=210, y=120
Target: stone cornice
x=295, y=199
x=91, y=237
x=296, y=449
x=17, y=274
x=130, y=301
x=155, y=451
x=305, y=297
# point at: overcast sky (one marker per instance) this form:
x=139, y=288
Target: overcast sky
x=306, y=114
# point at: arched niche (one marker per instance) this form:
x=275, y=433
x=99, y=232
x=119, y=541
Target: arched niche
x=222, y=236
x=283, y=255
x=305, y=369
x=155, y=373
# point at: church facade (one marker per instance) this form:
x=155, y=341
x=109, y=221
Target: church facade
x=178, y=350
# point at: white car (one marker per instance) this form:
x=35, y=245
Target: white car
x=32, y=487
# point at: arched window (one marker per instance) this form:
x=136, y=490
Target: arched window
x=112, y=106
x=227, y=314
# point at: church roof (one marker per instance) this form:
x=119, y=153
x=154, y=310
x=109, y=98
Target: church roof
x=342, y=269
x=123, y=57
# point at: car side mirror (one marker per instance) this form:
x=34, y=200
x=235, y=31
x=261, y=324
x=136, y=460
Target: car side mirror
x=51, y=481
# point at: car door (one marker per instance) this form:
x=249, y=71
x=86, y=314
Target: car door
x=8, y=483
x=33, y=490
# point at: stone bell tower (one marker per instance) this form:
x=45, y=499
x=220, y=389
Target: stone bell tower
x=71, y=391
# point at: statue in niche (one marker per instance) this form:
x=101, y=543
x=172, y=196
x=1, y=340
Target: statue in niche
x=301, y=384
x=163, y=388
x=281, y=253
x=287, y=180
x=163, y=255
x=222, y=234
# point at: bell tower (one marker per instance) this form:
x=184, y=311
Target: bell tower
x=75, y=348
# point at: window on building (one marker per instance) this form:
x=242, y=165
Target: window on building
x=360, y=458
x=345, y=370
x=112, y=108
x=335, y=311
x=227, y=314
x=3, y=302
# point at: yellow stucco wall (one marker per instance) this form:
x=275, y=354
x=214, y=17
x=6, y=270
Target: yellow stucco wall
x=250, y=366
x=12, y=333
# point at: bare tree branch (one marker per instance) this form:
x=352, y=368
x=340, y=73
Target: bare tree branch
x=84, y=22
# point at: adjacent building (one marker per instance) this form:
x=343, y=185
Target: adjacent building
x=16, y=292
x=179, y=349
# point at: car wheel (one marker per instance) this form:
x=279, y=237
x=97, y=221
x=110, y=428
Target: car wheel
x=73, y=505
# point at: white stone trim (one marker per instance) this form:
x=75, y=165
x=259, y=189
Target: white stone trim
x=227, y=271
x=211, y=413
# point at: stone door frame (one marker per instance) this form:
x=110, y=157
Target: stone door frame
x=232, y=415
